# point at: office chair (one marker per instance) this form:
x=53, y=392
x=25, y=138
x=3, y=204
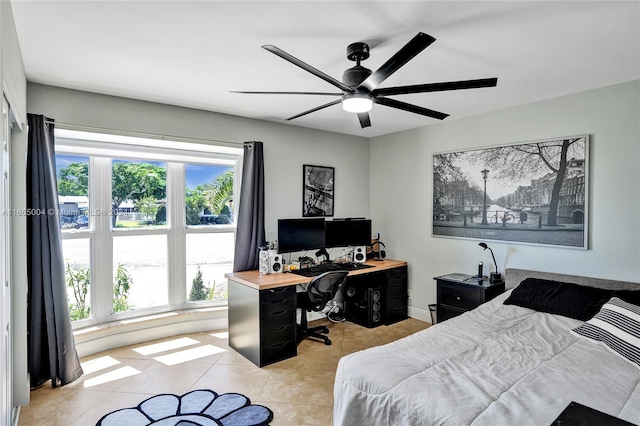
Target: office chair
x=320, y=291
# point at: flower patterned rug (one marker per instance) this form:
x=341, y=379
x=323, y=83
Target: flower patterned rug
x=196, y=408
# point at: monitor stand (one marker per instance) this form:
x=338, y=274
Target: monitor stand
x=323, y=252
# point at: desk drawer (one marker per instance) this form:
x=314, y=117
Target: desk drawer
x=459, y=297
x=277, y=319
x=394, y=300
x=396, y=313
x=397, y=292
x=278, y=304
x=397, y=278
x=277, y=300
x=278, y=351
x=277, y=294
x=277, y=335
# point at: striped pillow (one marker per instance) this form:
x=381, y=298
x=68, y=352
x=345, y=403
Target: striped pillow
x=617, y=326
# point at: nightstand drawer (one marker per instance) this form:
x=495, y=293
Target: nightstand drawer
x=459, y=296
x=445, y=313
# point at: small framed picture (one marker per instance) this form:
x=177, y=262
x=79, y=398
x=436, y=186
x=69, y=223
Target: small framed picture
x=317, y=190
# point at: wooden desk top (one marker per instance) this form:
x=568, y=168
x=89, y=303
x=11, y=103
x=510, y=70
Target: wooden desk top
x=264, y=282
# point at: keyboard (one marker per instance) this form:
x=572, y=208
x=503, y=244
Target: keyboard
x=327, y=267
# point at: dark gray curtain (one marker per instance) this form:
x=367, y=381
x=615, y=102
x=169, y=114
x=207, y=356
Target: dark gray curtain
x=51, y=347
x=250, y=228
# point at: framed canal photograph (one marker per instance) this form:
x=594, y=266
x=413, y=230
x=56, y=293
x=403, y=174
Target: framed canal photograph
x=317, y=190
x=531, y=193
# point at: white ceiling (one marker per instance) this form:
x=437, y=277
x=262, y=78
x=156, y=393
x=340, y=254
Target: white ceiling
x=193, y=53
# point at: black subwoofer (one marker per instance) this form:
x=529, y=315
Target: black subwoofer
x=364, y=305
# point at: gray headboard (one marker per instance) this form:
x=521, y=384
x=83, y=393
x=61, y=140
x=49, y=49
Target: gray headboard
x=513, y=277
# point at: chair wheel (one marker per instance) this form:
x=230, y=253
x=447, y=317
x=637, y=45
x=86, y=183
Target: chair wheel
x=327, y=342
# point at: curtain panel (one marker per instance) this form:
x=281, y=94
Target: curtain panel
x=51, y=347
x=250, y=232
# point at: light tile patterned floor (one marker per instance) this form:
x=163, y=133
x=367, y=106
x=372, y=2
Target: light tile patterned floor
x=124, y=377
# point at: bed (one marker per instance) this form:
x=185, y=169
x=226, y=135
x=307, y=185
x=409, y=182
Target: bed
x=496, y=365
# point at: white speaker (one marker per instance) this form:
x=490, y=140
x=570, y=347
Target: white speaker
x=275, y=264
x=360, y=254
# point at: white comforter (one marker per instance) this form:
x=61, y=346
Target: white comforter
x=496, y=365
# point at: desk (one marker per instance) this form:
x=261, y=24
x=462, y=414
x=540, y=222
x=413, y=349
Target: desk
x=262, y=308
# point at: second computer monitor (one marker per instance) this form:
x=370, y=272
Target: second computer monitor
x=344, y=233
x=300, y=234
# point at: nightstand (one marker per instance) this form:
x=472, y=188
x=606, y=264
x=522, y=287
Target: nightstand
x=459, y=293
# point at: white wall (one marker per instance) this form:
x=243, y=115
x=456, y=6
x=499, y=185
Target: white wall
x=14, y=84
x=397, y=170
x=286, y=147
x=402, y=189
x=13, y=75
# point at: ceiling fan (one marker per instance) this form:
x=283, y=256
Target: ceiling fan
x=360, y=86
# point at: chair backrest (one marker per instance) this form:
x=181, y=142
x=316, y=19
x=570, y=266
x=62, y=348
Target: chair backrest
x=324, y=287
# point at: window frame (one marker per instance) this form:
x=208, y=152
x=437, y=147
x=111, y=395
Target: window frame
x=100, y=148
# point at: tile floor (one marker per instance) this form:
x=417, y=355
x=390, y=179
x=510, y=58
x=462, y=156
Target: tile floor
x=124, y=377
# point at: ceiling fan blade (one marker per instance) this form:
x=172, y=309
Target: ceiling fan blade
x=437, y=87
x=411, y=108
x=404, y=55
x=285, y=93
x=295, y=61
x=315, y=109
x=365, y=121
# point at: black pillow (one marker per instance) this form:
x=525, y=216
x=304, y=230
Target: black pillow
x=553, y=297
x=629, y=296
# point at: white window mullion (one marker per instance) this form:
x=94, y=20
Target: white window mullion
x=102, y=241
x=176, y=225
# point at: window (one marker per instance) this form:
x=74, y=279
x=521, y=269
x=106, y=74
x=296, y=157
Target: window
x=148, y=226
x=209, y=257
x=208, y=202
x=209, y=195
x=73, y=201
x=138, y=194
x=140, y=272
x=73, y=191
x=77, y=261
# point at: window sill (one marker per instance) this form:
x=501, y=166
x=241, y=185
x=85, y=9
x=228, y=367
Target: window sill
x=93, y=339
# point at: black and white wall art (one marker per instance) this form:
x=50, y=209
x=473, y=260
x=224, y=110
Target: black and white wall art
x=317, y=190
x=533, y=192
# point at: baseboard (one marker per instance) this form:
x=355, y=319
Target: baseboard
x=15, y=415
x=94, y=339
x=420, y=314
x=91, y=340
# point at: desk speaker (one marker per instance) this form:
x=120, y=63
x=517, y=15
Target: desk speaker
x=360, y=254
x=275, y=264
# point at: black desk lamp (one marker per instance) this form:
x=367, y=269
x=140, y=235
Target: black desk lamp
x=495, y=276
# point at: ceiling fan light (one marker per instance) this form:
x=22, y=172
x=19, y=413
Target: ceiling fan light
x=357, y=103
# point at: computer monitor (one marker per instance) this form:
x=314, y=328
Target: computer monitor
x=349, y=232
x=300, y=234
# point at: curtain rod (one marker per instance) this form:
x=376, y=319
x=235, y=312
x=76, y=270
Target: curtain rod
x=69, y=126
